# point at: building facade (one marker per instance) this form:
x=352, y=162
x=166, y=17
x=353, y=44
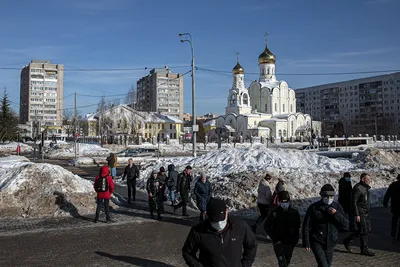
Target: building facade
x=161, y=91
x=41, y=93
x=361, y=106
x=267, y=108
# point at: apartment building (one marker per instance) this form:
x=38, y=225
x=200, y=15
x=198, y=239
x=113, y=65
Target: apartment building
x=161, y=91
x=361, y=106
x=41, y=93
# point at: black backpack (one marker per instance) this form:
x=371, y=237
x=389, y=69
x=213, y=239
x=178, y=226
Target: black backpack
x=101, y=185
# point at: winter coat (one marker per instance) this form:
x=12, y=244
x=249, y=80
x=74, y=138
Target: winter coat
x=172, y=178
x=131, y=172
x=183, y=183
x=162, y=178
x=322, y=227
x=280, y=186
x=393, y=193
x=264, y=193
x=283, y=225
x=105, y=172
x=236, y=246
x=154, y=187
x=203, y=192
x=112, y=160
x=360, y=200
x=344, y=200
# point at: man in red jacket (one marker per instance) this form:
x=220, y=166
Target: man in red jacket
x=104, y=191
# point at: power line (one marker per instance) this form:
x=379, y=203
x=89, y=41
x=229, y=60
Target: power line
x=71, y=69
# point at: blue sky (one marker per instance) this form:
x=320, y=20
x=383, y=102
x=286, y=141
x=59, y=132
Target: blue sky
x=307, y=36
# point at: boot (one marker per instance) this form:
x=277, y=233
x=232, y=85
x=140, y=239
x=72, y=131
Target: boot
x=347, y=246
x=367, y=252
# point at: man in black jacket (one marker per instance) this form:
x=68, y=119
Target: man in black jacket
x=172, y=181
x=361, y=208
x=183, y=187
x=282, y=226
x=132, y=173
x=345, y=189
x=393, y=193
x=223, y=241
x=321, y=224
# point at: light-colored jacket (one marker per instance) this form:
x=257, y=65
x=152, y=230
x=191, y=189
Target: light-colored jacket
x=264, y=193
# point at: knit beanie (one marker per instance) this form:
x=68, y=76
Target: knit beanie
x=327, y=190
x=284, y=196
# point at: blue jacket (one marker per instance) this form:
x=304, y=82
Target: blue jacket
x=203, y=192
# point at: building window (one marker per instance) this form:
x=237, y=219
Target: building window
x=170, y=126
x=291, y=108
x=245, y=99
x=280, y=133
x=283, y=107
x=265, y=107
x=284, y=133
x=276, y=107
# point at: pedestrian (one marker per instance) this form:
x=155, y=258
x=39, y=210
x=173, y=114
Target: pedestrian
x=221, y=240
x=282, y=226
x=263, y=200
x=172, y=182
x=203, y=192
x=361, y=207
x=274, y=202
x=132, y=173
x=393, y=193
x=183, y=188
x=154, y=190
x=321, y=225
x=112, y=163
x=104, y=186
x=345, y=189
x=162, y=178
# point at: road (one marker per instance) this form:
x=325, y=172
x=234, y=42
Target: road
x=136, y=240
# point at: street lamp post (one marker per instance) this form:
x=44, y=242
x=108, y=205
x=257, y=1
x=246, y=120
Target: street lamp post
x=194, y=126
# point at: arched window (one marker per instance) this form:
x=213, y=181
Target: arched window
x=245, y=99
x=284, y=133
x=276, y=107
x=233, y=100
x=280, y=133
x=268, y=71
x=291, y=127
x=283, y=107
x=266, y=107
x=291, y=108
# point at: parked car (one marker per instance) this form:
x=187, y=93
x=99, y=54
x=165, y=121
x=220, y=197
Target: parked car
x=138, y=152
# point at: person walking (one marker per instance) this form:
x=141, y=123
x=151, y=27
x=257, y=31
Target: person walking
x=263, y=200
x=203, y=192
x=361, y=207
x=282, y=226
x=154, y=191
x=104, y=186
x=221, y=240
x=132, y=173
x=171, y=183
x=274, y=202
x=112, y=163
x=345, y=189
x=321, y=225
x=162, y=178
x=393, y=194
x=183, y=188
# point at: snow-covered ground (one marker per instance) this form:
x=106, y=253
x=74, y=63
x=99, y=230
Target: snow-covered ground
x=29, y=189
x=12, y=147
x=86, y=150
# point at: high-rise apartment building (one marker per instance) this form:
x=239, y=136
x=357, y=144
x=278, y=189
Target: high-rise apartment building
x=161, y=91
x=362, y=106
x=41, y=93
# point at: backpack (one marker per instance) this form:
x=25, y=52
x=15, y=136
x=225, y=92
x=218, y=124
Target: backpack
x=101, y=184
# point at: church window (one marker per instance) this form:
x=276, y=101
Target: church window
x=268, y=70
x=230, y=121
x=283, y=107
x=292, y=126
x=266, y=106
x=276, y=107
x=245, y=99
x=280, y=133
x=233, y=100
x=284, y=133
x=291, y=108
x=255, y=123
x=255, y=107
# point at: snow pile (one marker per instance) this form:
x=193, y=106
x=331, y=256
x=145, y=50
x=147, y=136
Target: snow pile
x=381, y=159
x=12, y=147
x=28, y=189
x=68, y=151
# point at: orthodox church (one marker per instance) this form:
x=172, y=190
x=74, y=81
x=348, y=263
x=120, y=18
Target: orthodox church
x=267, y=108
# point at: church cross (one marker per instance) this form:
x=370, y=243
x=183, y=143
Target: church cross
x=237, y=56
x=266, y=36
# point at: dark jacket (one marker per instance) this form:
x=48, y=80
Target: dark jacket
x=322, y=227
x=283, y=226
x=393, y=193
x=131, y=172
x=203, y=192
x=360, y=199
x=344, y=200
x=111, y=160
x=172, y=178
x=236, y=246
x=183, y=183
x=154, y=187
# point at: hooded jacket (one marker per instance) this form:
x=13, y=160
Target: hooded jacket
x=105, y=172
x=283, y=225
x=264, y=193
x=203, y=192
x=345, y=189
x=172, y=178
x=393, y=193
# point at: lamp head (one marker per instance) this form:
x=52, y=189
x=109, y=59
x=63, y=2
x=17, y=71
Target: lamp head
x=180, y=34
x=182, y=41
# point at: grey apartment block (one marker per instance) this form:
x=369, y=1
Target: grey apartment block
x=41, y=92
x=361, y=106
x=161, y=91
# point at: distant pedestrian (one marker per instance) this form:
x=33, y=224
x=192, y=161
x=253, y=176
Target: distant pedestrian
x=203, y=192
x=280, y=186
x=282, y=226
x=112, y=163
x=104, y=186
x=321, y=225
x=183, y=187
x=345, y=189
x=162, y=178
x=221, y=240
x=393, y=194
x=361, y=207
x=263, y=200
x=132, y=173
x=154, y=191
x=172, y=181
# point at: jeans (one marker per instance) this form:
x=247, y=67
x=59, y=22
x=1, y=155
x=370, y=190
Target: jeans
x=283, y=253
x=131, y=183
x=183, y=203
x=323, y=254
x=362, y=232
x=113, y=172
x=171, y=194
x=106, y=203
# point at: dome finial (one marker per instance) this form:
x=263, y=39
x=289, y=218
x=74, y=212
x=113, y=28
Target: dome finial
x=237, y=57
x=238, y=69
x=266, y=37
x=266, y=57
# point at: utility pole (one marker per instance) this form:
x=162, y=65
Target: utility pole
x=75, y=133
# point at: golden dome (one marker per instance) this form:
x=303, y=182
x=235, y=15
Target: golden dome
x=266, y=57
x=238, y=69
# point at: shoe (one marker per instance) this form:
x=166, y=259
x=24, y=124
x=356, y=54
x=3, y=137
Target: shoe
x=151, y=215
x=95, y=220
x=185, y=215
x=254, y=228
x=110, y=221
x=347, y=246
x=159, y=218
x=175, y=209
x=367, y=252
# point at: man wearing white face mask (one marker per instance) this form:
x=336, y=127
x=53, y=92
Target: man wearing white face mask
x=283, y=225
x=222, y=241
x=321, y=225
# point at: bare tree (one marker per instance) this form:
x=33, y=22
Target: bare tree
x=68, y=121
x=131, y=96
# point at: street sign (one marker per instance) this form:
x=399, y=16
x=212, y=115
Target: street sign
x=195, y=128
